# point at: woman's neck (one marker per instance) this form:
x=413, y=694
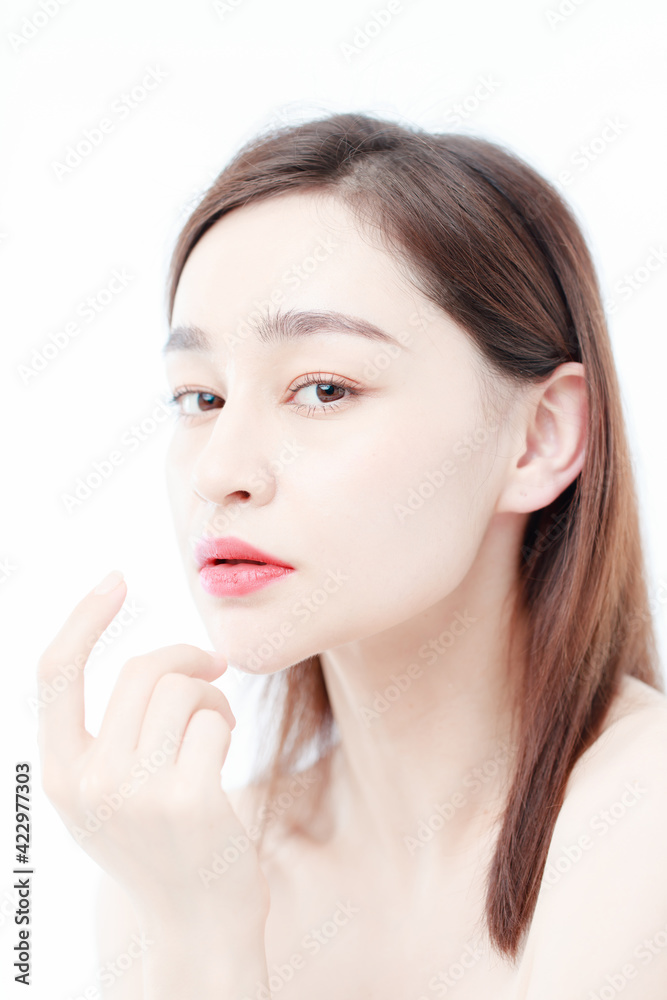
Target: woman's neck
x=425, y=719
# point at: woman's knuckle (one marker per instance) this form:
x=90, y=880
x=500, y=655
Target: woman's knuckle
x=214, y=718
x=132, y=666
x=216, y=722
x=174, y=684
x=180, y=651
x=219, y=697
x=185, y=648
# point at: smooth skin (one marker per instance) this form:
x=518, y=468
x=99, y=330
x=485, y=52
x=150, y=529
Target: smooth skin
x=360, y=906
x=157, y=759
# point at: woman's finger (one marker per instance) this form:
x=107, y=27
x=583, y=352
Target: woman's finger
x=204, y=749
x=124, y=716
x=62, y=734
x=174, y=700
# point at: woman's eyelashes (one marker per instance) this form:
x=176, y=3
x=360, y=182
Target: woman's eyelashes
x=186, y=402
x=320, y=393
x=326, y=392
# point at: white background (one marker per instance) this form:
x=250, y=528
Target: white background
x=553, y=82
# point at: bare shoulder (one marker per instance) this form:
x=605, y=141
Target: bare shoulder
x=635, y=727
x=634, y=699
x=603, y=899
x=623, y=772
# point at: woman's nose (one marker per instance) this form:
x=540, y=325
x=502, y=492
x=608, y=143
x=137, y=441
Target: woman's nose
x=234, y=465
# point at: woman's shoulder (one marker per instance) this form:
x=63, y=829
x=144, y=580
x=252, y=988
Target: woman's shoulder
x=635, y=727
x=635, y=697
x=620, y=782
x=603, y=895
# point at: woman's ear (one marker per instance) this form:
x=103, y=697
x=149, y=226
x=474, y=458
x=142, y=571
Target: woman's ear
x=551, y=451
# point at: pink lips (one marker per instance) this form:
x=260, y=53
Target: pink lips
x=246, y=569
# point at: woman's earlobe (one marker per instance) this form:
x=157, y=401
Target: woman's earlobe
x=554, y=442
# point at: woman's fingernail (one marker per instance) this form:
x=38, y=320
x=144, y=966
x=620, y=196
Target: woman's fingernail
x=110, y=581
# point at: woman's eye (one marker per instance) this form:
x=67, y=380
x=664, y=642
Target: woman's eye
x=319, y=393
x=192, y=402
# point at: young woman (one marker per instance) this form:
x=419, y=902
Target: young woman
x=402, y=489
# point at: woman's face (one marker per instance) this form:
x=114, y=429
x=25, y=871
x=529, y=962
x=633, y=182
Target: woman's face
x=376, y=483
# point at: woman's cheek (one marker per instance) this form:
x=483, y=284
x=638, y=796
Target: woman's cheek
x=429, y=523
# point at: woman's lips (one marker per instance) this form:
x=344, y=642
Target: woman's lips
x=230, y=567
x=238, y=578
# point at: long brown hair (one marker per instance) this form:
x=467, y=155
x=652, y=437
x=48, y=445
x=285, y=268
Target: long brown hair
x=494, y=245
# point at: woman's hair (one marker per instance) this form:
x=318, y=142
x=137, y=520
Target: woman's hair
x=493, y=244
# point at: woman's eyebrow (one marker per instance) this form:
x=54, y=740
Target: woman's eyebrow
x=285, y=326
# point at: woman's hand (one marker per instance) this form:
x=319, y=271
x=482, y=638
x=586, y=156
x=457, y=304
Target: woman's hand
x=144, y=797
